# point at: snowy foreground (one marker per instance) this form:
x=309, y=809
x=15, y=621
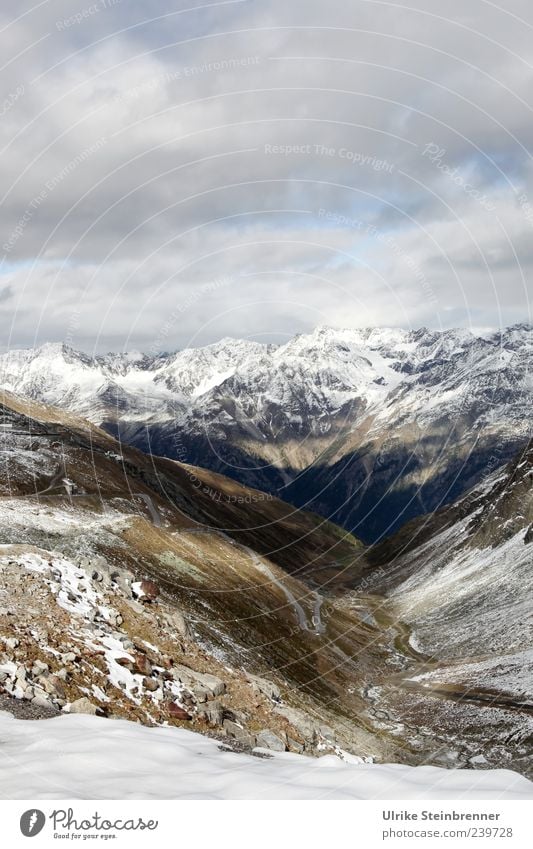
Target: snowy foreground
x=85, y=757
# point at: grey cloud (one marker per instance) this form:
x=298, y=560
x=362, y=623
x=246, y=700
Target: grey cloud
x=144, y=158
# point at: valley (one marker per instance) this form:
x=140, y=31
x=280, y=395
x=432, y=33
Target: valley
x=142, y=588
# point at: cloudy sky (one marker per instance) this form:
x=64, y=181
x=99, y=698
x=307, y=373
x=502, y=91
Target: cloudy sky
x=175, y=172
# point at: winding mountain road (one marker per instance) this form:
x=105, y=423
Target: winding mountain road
x=301, y=615
x=152, y=509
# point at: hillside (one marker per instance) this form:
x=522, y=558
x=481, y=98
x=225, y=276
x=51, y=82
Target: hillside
x=460, y=580
x=159, y=592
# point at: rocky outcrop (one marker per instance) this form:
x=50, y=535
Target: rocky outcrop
x=267, y=688
x=203, y=686
x=268, y=740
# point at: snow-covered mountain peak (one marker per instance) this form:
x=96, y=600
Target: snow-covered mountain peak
x=395, y=412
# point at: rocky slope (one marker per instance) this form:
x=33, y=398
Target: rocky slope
x=460, y=583
x=367, y=427
x=140, y=588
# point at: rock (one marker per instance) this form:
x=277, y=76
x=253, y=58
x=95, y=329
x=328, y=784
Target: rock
x=142, y=665
x=21, y=675
x=303, y=723
x=238, y=716
x=202, y=684
x=268, y=740
x=145, y=591
x=39, y=668
x=69, y=657
x=150, y=684
x=201, y=695
x=444, y=758
x=213, y=713
x=177, y=712
x=177, y=622
x=83, y=705
x=63, y=674
x=42, y=702
x=267, y=688
x=295, y=745
x=150, y=590
x=327, y=734
x=12, y=643
x=52, y=685
x=240, y=734
x=29, y=694
x=126, y=662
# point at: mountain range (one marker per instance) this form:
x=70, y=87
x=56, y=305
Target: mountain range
x=367, y=427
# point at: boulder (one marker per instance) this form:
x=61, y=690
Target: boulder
x=177, y=712
x=236, y=732
x=268, y=740
x=42, y=702
x=201, y=695
x=202, y=684
x=238, y=716
x=213, y=713
x=52, y=685
x=303, y=723
x=177, y=622
x=83, y=705
x=145, y=591
x=21, y=675
x=150, y=684
x=295, y=745
x=267, y=688
x=142, y=665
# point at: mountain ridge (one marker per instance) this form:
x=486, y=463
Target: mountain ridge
x=369, y=427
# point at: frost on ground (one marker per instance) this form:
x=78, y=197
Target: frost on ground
x=85, y=757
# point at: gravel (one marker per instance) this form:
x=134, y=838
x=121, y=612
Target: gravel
x=25, y=710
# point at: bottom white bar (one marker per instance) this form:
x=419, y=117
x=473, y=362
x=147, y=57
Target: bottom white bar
x=232, y=825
